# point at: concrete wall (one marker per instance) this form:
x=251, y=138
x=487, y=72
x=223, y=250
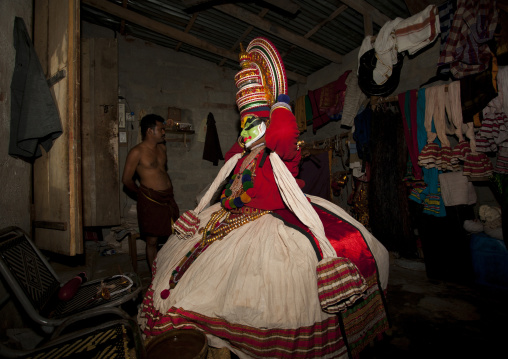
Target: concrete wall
x=14, y=173
x=153, y=78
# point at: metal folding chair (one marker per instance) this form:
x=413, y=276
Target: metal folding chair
x=36, y=285
x=116, y=336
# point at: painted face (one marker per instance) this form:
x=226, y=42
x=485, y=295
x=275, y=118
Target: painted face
x=253, y=129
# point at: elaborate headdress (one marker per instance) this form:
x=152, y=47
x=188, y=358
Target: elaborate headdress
x=262, y=77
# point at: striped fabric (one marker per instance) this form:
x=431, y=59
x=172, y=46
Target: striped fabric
x=446, y=11
x=364, y=322
x=493, y=132
x=502, y=161
x=460, y=151
x=466, y=48
x=416, y=32
x=187, y=225
x=340, y=284
x=429, y=155
x=432, y=203
x=478, y=166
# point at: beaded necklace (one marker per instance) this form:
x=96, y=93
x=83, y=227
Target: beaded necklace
x=239, y=189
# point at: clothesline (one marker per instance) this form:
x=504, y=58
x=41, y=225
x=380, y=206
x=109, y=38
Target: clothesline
x=328, y=141
x=375, y=100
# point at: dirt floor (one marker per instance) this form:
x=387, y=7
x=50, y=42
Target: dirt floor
x=430, y=318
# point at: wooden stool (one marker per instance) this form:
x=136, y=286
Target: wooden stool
x=133, y=251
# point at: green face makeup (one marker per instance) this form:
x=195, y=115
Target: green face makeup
x=253, y=130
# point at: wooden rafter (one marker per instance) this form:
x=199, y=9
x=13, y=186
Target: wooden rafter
x=122, y=24
x=367, y=25
x=286, y=5
x=278, y=31
x=365, y=8
x=187, y=29
x=171, y=32
x=332, y=16
x=311, y=32
x=246, y=33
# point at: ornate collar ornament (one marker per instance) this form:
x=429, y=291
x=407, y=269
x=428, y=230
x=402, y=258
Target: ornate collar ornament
x=240, y=188
x=262, y=78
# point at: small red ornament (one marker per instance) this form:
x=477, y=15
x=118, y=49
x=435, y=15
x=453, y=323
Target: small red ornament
x=165, y=293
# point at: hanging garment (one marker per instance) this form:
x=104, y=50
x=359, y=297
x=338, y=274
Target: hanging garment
x=417, y=31
x=301, y=117
x=355, y=163
x=502, y=87
x=476, y=91
x=353, y=100
x=466, y=49
x=446, y=11
x=386, y=52
x=35, y=120
x=362, y=133
x=431, y=151
x=328, y=101
x=308, y=111
x=456, y=189
x=388, y=202
x=407, y=104
x=212, y=151
x=315, y=171
x=367, y=65
x=430, y=196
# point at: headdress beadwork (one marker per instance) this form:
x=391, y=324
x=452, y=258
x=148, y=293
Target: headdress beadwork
x=262, y=77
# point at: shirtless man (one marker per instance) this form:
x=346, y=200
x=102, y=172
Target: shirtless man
x=156, y=205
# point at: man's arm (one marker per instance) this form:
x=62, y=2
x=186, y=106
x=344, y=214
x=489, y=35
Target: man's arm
x=131, y=163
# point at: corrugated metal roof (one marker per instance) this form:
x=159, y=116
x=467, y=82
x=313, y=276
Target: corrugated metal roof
x=223, y=31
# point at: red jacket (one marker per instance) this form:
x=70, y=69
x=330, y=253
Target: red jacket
x=281, y=137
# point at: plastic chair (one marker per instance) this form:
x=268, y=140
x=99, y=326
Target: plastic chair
x=36, y=285
x=117, y=336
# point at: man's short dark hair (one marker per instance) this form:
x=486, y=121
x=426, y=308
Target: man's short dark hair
x=149, y=121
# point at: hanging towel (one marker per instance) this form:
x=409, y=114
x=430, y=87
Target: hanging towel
x=212, y=151
x=35, y=120
x=386, y=51
x=456, y=189
x=416, y=32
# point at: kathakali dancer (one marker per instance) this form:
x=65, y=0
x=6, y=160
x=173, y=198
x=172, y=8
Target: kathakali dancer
x=269, y=272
